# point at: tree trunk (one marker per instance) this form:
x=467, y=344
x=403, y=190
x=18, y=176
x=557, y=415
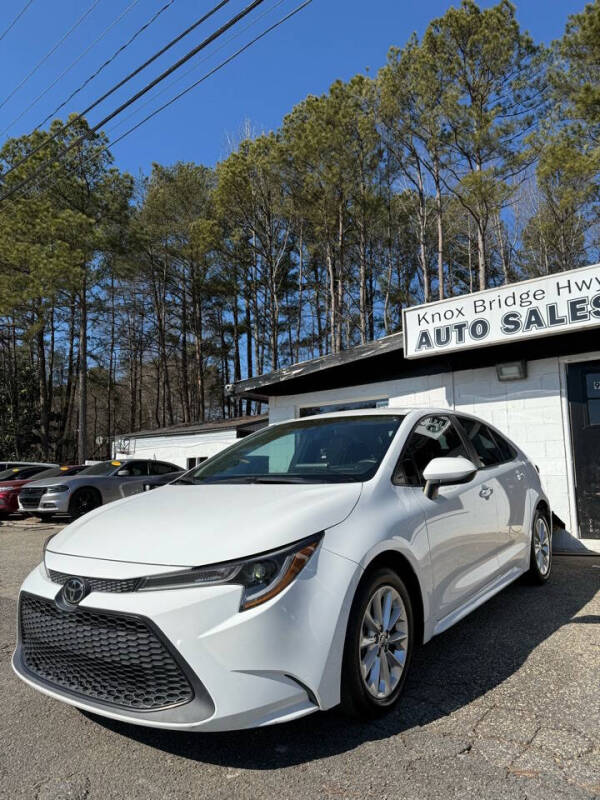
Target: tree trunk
x=83, y=330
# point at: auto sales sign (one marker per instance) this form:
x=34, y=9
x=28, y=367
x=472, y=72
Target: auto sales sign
x=556, y=303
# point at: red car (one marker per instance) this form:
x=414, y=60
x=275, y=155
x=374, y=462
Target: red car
x=12, y=480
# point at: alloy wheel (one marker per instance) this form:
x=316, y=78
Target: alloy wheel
x=541, y=545
x=383, y=642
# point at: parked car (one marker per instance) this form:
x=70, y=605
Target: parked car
x=13, y=478
x=93, y=486
x=293, y=571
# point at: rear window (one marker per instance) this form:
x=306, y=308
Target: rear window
x=482, y=439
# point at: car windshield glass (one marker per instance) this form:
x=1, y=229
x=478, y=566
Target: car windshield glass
x=53, y=472
x=103, y=468
x=332, y=450
x=19, y=473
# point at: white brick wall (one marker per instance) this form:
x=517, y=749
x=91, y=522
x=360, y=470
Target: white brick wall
x=177, y=449
x=528, y=411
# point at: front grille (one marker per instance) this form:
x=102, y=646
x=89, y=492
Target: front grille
x=99, y=584
x=104, y=656
x=30, y=498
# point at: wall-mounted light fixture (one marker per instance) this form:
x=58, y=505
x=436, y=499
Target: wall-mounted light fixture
x=512, y=371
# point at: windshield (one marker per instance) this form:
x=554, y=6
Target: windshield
x=332, y=450
x=20, y=473
x=103, y=468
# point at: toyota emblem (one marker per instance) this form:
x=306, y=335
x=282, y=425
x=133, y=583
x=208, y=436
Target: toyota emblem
x=74, y=591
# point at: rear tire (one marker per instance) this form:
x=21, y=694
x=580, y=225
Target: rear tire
x=83, y=501
x=378, y=647
x=540, y=559
x=3, y=516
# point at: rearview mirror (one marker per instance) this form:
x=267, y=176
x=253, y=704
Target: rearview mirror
x=447, y=472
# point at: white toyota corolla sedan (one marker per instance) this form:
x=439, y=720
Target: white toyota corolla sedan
x=295, y=570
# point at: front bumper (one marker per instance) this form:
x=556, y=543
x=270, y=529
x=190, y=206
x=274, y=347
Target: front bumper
x=8, y=505
x=276, y=662
x=48, y=503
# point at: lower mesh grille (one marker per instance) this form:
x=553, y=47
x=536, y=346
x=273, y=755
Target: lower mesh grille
x=108, y=657
x=99, y=584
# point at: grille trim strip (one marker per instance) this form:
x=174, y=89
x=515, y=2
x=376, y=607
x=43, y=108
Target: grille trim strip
x=98, y=584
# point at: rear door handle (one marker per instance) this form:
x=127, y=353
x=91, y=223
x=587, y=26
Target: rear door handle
x=486, y=492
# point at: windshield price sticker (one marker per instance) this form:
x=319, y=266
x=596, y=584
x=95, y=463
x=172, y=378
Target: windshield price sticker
x=539, y=307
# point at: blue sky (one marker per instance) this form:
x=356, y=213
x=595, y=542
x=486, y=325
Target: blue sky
x=329, y=39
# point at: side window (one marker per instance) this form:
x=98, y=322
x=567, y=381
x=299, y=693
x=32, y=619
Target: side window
x=161, y=468
x=136, y=469
x=433, y=437
x=482, y=439
x=507, y=450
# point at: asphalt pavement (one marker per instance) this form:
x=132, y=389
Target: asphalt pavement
x=504, y=705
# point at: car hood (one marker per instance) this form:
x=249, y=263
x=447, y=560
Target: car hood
x=196, y=525
x=58, y=481
x=16, y=484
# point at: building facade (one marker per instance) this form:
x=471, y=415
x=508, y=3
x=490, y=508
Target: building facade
x=185, y=445
x=525, y=357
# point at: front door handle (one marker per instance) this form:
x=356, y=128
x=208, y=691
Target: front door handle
x=486, y=492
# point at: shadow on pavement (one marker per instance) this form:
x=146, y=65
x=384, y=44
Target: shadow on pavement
x=448, y=673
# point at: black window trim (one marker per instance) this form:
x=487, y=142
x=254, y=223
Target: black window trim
x=471, y=448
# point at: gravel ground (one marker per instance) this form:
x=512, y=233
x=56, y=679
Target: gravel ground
x=504, y=705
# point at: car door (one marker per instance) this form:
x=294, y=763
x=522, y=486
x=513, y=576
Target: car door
x=462, y=520
x=506, y=473
x=512, y=502
x=133, y=482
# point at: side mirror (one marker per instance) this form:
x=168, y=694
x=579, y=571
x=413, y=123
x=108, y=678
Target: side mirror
x=123, y=473
x=447, y=472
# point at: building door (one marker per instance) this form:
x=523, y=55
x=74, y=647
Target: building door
x=583, y=388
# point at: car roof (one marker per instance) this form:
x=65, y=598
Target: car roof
x=392, y=411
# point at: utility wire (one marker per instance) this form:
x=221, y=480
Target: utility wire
x=118, y=85
x=16, y=19
x=108, y=61
x=51, y=51
x=184, y=59
x=177, y=97
x=71, y=65
x=210, y=72
x=207, y=75
x=189, y=71
x=203, y=44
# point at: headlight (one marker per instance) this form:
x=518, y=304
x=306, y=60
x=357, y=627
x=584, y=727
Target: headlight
x=262, y=577
x=56, y=489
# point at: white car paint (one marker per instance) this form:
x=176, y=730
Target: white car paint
x=282, y=659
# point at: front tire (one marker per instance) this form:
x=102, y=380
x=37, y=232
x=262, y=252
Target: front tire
x=83, y=501
x=540, y=560
x=378, y=647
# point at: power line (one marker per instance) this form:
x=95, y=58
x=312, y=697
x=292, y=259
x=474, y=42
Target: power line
x=51, y=52
x=118, y=85
x=211, y=72
x=184, y=59
x=108, y=61
x=71, y=65
x=16, y=19
x=196, y=65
